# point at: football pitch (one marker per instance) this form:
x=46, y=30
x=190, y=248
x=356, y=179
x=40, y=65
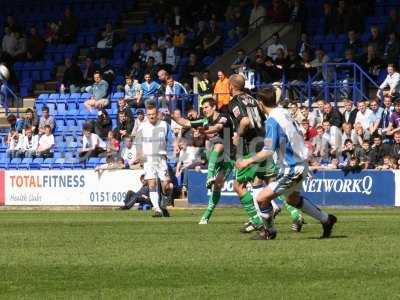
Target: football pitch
x=121, y=255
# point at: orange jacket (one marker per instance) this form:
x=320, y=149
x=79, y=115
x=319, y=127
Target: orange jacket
x=221, y=92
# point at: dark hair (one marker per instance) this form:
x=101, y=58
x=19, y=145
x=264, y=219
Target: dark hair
x=29, y=110
x=151, y=105
x=87, y=127
x=348, y=141
x=97, y=73
x=210, y=101
x=267, y=97
x=129, y=77
x=45, y=108
x=47, y=126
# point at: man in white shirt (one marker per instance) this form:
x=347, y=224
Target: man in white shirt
x=155, y=53
x=392, y=81
x=128, y=153
x=153, y=135
x=9, y=43
x=30, y=144
x=364, y=116
x=14, y=145
x=92, y=144
x=333, y=136
x=46, y=143
x=276, y=44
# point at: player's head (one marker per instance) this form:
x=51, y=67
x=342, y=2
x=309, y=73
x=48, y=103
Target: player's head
x=267, y=98
x=209, y=106
x=152, y=113
x=236, y=83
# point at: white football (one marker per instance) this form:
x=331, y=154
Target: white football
x=4, y=73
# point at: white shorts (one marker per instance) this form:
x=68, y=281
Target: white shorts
x=289, y=180
x=156, y=168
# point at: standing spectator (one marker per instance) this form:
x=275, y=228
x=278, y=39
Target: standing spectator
x=98, y=90
x=212, y=42
x=154, y=53
x=386, y=115
x=320, y=144
x=276, y=44
x=30, y=144
x=392, y=49
x=133, y=92
x=320, y=59
x=72, y=78
x=69, y=27
x=350, y=113
x=35, y=45
x=332, y=115
x=128, y=153
x=377, y=112
x=241, y=61
x=308, y=132
x=257, y=15
x=392, y=81
x=30, y=120
x=89, y=69
x=204, y=86
x=9, y=42
x=364, y=116
x=103, y=124
x=140, y=118
x=222, y=91
x=92, y=144
x=192, y=69
x=14, y=143
x=293, y=108
x=46, y=143
x=46, y=120
x=124, y=125
x=371, y=62
x=171, y=54
x=150, y=88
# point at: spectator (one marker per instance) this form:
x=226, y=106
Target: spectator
x=257, y=15
x=162, y=40
x=360, y=134
x=136, y=70
x=51, y=35
x=389, y=163
x=320, y=59
x=333, y=135
x=112, y=163
x=154, y=53
x=123, y=106
x=72, y=78
x=12, y=24
x=222, y=90
x=240, y=23
x=35, y=45
x=276, y=44
x=92, y=144
x=99, y=89
x=192, y=69
x=150, y=67
x=142, y=196
x=140, y=118
x=179, y=38
x=14, y=143
x=393, y=24
x=107, y=70
x=150, y=88
x=112, y=144
x=394, y=150
x=46, y=120
x=363, y=152
x=46, y=143
x=21, y=47
x=296, y=11
x=30, y=120
x=278, y=12
x=103, y=124
x=270, y=73
x=303, y=45
x=392, y=81
x=364, y=115
x=241, y=61
x=394, y=122
x=133, y=92
x=204, y=86
x=89, y=69
x=188, y=155
x=377, y=112
x=212, y=42
x=348, y=151
x=124, y=125
x=318, y=113
x=171, y=54
x=174, y=91
x=320, y=144
x=175, y=127
x=293, y=108
x=308, y=132
x=386, y=115
x=29, y=145
x=332, y=115
x=281, y=60
x=128, y=153
x=392, y=49
x=68, y=27
x=352, y=42
x=347, y=132
x=376, y=40
x=329, y=19
x=349, y=114
x=371, y=62
x=134, y=55
x=377, y=152
x=106, y=39
x=9, y=42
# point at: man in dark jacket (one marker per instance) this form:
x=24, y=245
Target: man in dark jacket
x=332, y=115
x=142, y=196
x=103, y=124
x=73, y=77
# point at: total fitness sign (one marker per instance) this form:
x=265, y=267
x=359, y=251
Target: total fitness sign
x=67, y=187
x=322, y=187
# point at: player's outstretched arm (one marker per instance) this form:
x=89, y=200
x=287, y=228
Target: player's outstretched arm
x=181, y=121
x=260, y=156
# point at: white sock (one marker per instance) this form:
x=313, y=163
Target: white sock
x=154, y=198
x=255, y=190
x=275, y=205
x=312, y=210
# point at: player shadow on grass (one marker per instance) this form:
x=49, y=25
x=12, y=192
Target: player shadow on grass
x=331, y=237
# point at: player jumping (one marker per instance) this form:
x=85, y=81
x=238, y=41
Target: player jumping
x=283, y=137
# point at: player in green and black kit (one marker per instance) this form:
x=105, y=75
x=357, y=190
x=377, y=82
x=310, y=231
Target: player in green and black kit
x=218, y=129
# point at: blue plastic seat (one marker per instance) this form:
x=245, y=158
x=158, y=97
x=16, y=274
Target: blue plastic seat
x=92, y=162
x=4, y=162
x=14, y=164
x=47, y=163
x=58, y=163
x=36, y=164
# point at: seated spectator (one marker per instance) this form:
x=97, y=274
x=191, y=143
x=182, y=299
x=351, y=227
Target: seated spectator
x=377, y=113
x=133, y=92
x=308, y=132
x=150, y=88
x=318, y=113
x=377, y=151
x=107, y=70
x=46, y=120
x=103, y=124
x=350, y=113
x=222, y=90
x=174, y=91
x=270, y=73
x=371, y=62
x=347, y=132
x=14, y=143
x=392, y=49
x=333, y=136
x=293, y=108
x=150, y=67
x=329, y=19
x=72, y=78
x=68, y=27
x=389, y=163
x=171, y=55
x=135, y=70
x=21, y=46
x=320, y=59
x=192, y=69
x=124, y=125
x=46, y=143
x=394, y=149
x=188, y=156
x=92, y=144
x=281, y=60
x=332, y=115
x=51, y=35
x=212, y=42
x=29, y=120
x=304, y=45
x=359, y=134
x=276, y=44
x=348, y=151
x=123, y=106
x=142, y=196
x=241, y=61
x=155, y=54
x=129, y=154
x=29, y=144
x=140, y=118
x=364, y=115
x=35, y=45
x=363, y=152
x=106, y=39
x=352, y=42
x=376, y=40
x=99, y=89
x=112, y=144
x=112, y=163
x=89, y=69
x=394, y=122
x=9, y=42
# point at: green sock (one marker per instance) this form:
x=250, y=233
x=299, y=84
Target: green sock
x=248, y=205
x=212, y=160
x=295, y=214
x=212, y=203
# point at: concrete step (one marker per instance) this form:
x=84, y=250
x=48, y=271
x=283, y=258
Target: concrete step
x=181, y=203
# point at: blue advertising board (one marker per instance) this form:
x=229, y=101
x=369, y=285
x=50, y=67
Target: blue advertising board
x=323, y=188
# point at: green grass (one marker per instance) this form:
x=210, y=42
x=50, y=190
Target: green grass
x=112, y=254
